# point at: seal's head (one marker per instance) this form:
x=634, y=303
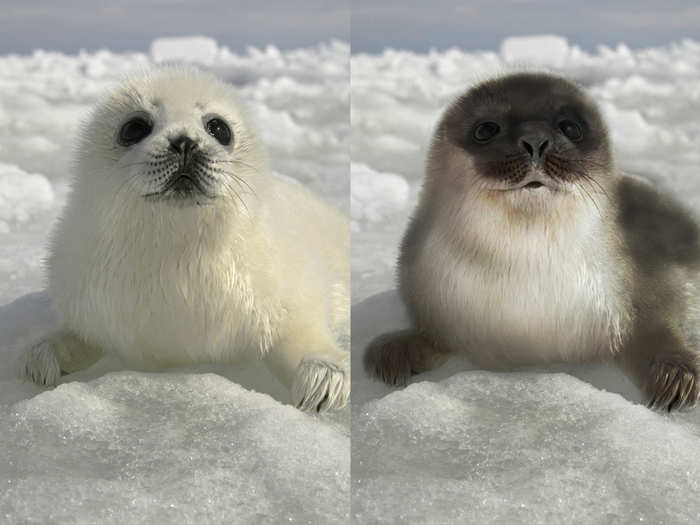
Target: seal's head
x=524, y=140
x=171, y=137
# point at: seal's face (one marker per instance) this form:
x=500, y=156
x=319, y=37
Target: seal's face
x=175, y=136
x=530, y=134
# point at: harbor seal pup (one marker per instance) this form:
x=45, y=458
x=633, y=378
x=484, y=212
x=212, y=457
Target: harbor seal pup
x=178, y=247
x=528, y=246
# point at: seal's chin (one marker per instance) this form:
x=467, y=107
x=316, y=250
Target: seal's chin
x=535, y=181
x=534, y=194
x=183, y=189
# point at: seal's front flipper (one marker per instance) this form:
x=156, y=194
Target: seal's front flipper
x=321, y=384
x=672, y=386
x=309, y=363
x=664, y=367
x=396, y=356
x=59, y=353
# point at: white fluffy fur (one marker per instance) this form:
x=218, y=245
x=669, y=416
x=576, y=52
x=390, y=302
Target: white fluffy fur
x=262, y=270
x=518, y=277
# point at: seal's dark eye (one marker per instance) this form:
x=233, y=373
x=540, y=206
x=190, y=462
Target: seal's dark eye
x=135, y=130
x=571, y=129
x=485, y=132
x=218, y=129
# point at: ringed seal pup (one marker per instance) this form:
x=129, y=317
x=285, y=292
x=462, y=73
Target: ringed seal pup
x=528, y=246
x=178, y=246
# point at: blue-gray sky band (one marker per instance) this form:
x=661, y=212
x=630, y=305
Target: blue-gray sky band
x=374, y=25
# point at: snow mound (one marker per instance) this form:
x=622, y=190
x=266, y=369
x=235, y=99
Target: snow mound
x=537, y=50
x=22, y=195
x=185, y=49
x=550, y=444
x=632, y=133
x=484, y=447
x=374, y=195
x=171, y=448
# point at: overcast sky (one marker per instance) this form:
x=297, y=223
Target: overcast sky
x=419, y=25
x=482, y=24
x=71, y=25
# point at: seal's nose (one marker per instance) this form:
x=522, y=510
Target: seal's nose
x=536, y=144
x=183, y=145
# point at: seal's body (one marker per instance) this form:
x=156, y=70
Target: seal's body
x=528, y=246
x=179, y=247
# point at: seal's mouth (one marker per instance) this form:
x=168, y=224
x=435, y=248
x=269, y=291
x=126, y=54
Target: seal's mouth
x=183, y=186
x=518, y=172
x=184, y=182
x=534, y=181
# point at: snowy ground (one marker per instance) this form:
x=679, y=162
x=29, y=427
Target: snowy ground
x=537, y=446
x=112, y=446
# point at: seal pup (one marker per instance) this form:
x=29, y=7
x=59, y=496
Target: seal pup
x=528, y=246
x=179, y=247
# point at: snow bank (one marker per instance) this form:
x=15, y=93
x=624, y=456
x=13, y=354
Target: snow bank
x=538, y=446
x=483, y=447
x=22, y=195
x=375, y=196
x=114, y=446
x=175, y=448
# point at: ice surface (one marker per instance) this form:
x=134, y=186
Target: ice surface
x=537, y=446
x=175, y=448
x=483, y=447
x=186, y=446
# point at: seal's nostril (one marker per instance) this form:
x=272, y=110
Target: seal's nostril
x=535, y=144
x=182, y=144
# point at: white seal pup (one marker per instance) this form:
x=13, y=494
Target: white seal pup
x=528, y=246
x=179, y=247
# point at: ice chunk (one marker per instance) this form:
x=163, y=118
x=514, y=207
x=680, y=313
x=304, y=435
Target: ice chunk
x=632, y=133
x=550, y=50
x=376, y=195
x=395, y=145
x=185, y=49
x=21, y=195
x=485, y=447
